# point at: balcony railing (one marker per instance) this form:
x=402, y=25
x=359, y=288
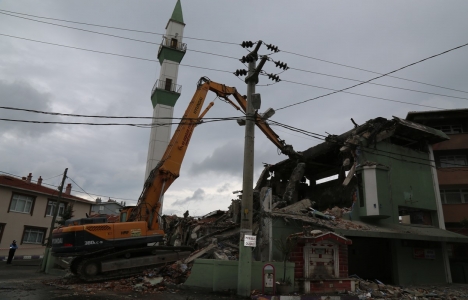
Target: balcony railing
x=173, y=43
x=166, y=85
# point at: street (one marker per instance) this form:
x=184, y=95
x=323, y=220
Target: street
x=22, y=281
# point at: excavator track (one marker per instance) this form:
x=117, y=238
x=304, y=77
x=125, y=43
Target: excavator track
x=106, y=266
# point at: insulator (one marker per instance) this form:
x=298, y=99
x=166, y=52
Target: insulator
x=281, y=65
x=274, y=77
x=247, y=44
x=241, y=72
x=272, y=48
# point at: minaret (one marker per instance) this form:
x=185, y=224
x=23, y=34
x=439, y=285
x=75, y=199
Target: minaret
x=166, y=91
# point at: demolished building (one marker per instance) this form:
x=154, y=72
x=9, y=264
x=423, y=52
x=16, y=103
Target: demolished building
x=387, y=203
x=380, y=218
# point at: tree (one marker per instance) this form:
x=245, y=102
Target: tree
x=285, y=246
x=67, y=214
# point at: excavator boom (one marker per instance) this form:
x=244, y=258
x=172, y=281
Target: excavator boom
x=167, y=171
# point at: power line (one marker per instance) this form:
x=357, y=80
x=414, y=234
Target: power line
x=97, y=116
x=113, y=35
x=365, y=149
x=80, y=187
x=109, y=53
x=384, y=85
x=217, y=70
x=118, y=124
x=361, y=69
x=6, y=12
x=55, y=186
x=386, y=74
x=343, y=91
x=118, y=28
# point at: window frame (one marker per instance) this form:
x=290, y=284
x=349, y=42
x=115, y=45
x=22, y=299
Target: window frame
x=27, y=227
x=64, y=203
x=453, y=128
x=463, y=192
x=33, y=201
x=2, y=230
x=451, y=159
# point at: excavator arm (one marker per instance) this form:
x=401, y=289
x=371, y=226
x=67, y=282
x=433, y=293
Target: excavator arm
x=167, y=171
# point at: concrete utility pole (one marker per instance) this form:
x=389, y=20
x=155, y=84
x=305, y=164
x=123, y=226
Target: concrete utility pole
x=245, y=253
x=47, y=263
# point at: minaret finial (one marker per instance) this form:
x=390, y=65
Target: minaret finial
x=177, y=13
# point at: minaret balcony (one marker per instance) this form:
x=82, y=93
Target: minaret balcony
x=165, y=92
x=166, y=85
x=171, y=49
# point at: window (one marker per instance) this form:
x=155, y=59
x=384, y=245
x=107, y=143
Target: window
x=452, y=161
x=101, y=207
x=450, y=129
x=174, y=43
x=168, y=84
x=33, y=235
x=21, y=203
x=51, y=208
x=2, y=228
x=454, y=196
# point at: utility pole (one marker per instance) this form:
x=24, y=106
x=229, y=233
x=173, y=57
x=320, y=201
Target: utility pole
x=47, y=264
x=245, y=253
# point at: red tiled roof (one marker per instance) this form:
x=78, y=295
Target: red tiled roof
x=20, y=184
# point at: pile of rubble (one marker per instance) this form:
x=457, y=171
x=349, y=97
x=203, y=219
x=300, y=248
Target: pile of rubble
x=149, y=281
x=215, y=235
x=378, y=290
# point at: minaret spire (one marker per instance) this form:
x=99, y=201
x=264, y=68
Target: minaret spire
x=166, y=91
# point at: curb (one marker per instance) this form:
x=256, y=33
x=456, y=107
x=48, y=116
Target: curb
x=304, y=297
x=22, y=257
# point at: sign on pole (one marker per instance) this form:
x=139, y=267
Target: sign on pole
x=250, y=240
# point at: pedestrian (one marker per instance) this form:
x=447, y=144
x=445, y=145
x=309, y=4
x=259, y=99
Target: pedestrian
x=13, y=248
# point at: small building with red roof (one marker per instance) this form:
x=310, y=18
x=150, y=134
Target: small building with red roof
x=26, y=213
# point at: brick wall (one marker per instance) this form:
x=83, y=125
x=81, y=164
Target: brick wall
x=328, y=286
x=297, y=257
x=343, y=261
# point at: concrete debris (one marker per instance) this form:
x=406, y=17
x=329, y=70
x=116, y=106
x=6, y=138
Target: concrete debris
x=292, y=185
x=374, y=290
x=149, y=281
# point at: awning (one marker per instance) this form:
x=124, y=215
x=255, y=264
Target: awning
x=406, y=232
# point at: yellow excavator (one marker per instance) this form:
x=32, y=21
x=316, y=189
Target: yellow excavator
x=102, y=250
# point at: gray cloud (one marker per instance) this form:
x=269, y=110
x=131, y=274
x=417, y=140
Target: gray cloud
x=198, y=195
x=226, y=187
x=20, y=94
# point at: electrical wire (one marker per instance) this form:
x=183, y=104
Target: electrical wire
x=380, y=76
x=378, y=84
x=109, y=53
x=115, y=36
x=56, y=191
x=118, y=124
x=79, y=187
x=12, y=14
x=361, y=69
x=118, y=28
x=96, y=116
x=343, y=91
x=365, y=149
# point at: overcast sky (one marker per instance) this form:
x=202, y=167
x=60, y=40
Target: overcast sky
x=379, y=36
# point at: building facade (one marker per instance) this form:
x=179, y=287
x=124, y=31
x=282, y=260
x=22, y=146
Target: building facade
x=451, y=159
x=26, y=213
x=384, y=199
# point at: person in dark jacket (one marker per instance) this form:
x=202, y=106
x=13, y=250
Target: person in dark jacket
x=11, y=254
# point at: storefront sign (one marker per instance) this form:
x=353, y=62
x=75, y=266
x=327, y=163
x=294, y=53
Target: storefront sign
x=421, y=253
